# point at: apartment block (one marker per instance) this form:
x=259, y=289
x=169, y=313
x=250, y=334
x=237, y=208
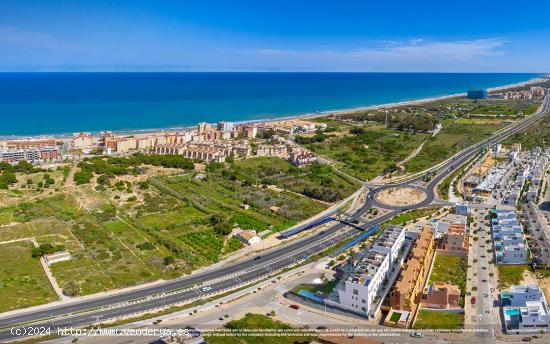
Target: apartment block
x=370, y=275
x=455, y=240
x=407, y=289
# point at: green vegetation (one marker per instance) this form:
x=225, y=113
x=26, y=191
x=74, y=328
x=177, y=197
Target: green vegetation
x=438, y=320
x=23, y=282
x=107, y=167
x=412, y=215
x=257, y=321
x=315, y=180
x=450, y=269
x=46, y=248
x=509, y=275
x=455, y=136
x=537, y=134
x=366, y=151
x=463, y=121
x=395, y=317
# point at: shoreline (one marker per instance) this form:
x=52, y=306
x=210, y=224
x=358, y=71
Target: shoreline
x=158, y=131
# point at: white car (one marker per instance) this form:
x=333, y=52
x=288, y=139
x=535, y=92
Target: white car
x=205, y=288
x=417, y=334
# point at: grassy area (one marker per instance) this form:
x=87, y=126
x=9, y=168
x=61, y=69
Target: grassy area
x=450, y=269
x=509, y=275
x=412, y=215
x=438, y=320
x=257, y=321
x=23, y=282
x=321, y=289
x=537, y=134
x=368, y=151
x=453, y=137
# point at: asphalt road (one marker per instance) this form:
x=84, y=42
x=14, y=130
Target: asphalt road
x=188, y=288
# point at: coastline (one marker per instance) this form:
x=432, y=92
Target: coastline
x=158, y=131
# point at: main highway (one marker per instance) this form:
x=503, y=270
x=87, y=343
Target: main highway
x=204, y=285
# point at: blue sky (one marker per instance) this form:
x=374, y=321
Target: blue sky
x=262, y=35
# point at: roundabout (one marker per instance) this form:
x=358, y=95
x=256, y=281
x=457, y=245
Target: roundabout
x=400, y=197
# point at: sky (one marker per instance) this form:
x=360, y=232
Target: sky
x=275, y=35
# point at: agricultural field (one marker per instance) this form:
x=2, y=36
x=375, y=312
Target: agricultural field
x=23, y=282
x=365, y=150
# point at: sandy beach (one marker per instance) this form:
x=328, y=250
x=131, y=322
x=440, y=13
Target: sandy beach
x=159, y=131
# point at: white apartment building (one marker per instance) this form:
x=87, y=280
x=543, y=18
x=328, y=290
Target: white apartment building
x=366, y=280
x=508, y=239
x=525, y=309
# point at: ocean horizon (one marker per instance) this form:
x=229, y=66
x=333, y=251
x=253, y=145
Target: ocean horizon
x=33, y=104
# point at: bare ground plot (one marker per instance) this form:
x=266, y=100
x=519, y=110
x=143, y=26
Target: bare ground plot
x=400, y=196
x=23, y=282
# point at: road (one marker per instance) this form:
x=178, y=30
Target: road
x=190, y=288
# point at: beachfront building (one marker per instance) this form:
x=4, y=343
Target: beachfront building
x=477, y=94
x=508, y=238
x=29, y=144
x=525, y=309
x=82, y=140
x=370, y=276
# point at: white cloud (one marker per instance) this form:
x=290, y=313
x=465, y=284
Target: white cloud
x=29, y=39
x=397, y=55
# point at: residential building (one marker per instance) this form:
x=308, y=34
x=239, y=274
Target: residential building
x=454, y=240
x=441, y=296
x=410, y=282
x=82, y=140
x=363, y=286
x=249, y=237
x=508, y=239
x=525, y=309
x=225, y=126
x=29, y=144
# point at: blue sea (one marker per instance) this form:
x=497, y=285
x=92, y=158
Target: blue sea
x=61, y=103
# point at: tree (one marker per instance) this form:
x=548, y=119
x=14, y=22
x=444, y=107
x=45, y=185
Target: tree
x=168, y=260
x=71, y=289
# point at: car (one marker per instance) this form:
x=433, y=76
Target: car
x=483, y=256
x=484, y=281
x=485, y=295
x=417, y=334
x=473, y=300
x=484, y=268
x=220, y=319
x=257, y=257
x=296, y=307
x=526, y=339
x=206, y=288
x=321, y=328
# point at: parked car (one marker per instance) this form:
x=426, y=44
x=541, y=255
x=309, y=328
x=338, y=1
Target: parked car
x=473, y=300
x=296, y=307
x=417, y=334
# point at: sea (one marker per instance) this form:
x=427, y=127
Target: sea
x=34, y=104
